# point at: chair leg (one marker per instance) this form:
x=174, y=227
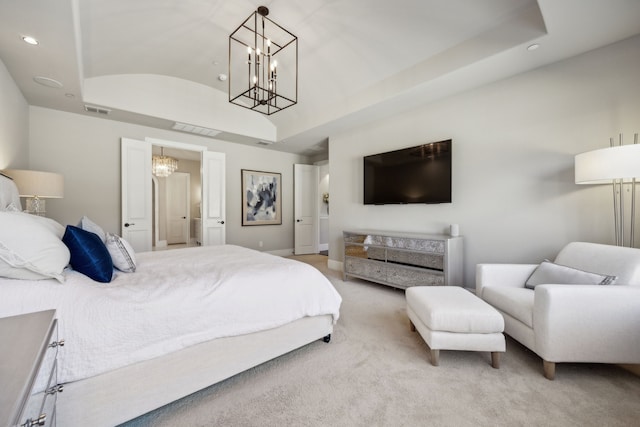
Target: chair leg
x=549, y=369
x=435, y=357
x=495, y=359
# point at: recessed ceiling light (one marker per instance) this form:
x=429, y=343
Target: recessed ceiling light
x=222, y=77
x=46, y=81
x=533, y=46
x=30, y=40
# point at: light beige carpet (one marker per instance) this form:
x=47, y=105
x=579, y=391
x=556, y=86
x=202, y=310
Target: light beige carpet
x=376, y=372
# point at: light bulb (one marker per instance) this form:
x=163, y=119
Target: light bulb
x=275, y=63
x=257, y=51
x=249, y=50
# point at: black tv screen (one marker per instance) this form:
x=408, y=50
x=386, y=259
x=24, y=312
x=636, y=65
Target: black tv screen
x=420, y=174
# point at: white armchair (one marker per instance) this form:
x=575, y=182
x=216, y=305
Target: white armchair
x=571, y=323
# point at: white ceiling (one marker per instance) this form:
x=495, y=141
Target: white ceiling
x=359, y=60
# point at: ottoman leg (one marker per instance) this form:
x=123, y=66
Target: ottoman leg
x=412, y=326
x=435, y=357
x=495, y=359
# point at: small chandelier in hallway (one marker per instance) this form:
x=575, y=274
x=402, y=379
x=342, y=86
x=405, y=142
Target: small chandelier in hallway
x=162, y=166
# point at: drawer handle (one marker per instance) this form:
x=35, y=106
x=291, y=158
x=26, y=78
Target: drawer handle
x=59, y=388
x=40, y=421
x=55, y=344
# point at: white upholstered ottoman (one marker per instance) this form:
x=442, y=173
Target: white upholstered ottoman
x=452, y=318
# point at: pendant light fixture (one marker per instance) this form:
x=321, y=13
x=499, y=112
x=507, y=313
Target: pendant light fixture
x=162, y=166
x=263, y=65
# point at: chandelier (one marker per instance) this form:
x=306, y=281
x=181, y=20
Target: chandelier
x=263, y=65
x=162, y=166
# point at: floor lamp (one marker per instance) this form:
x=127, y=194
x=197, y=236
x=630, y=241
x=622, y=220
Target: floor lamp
x=618, y=165
x=37, y=186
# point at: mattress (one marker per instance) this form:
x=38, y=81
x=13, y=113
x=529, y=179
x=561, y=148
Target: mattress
x=175, y=299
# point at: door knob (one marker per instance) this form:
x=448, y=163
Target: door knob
x=298, y=220
x=184, y=217
x=220, y=222
x=126, y=224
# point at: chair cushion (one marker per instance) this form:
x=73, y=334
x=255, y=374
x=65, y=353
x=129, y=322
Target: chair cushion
x=453, y=309
x=516, y=302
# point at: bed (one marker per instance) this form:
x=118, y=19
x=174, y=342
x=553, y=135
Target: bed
x=183, y=320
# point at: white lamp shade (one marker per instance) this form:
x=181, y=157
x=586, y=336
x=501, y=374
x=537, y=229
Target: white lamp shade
x=607, y=164
x=45, y=185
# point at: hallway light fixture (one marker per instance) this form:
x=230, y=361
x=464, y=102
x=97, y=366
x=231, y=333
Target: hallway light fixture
x=263, y=65
x=162, y=166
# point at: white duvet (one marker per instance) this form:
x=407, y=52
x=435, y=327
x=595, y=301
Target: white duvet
x=175, y=299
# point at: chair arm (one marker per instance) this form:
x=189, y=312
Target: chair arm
x=513, y=275
x=587, y=323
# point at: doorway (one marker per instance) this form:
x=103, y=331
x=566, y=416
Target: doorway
x=176, y=201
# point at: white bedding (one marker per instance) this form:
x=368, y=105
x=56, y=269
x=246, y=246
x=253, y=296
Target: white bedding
x=175, y=299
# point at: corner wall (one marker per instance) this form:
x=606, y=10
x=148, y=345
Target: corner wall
x=14, y=124
x=514, y=143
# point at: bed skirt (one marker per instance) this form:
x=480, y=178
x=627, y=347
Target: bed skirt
x=117, y=396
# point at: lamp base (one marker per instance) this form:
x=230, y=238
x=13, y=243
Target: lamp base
x=36, y=206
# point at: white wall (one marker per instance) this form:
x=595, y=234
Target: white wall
x=86, y=150
x=14, y=124
x=514, y=143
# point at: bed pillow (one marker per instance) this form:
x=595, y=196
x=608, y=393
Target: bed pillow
x=30, y=247
x=548, y=272
x=8, y=192
x=122, y=254
x=88, y=225
x=89, y=255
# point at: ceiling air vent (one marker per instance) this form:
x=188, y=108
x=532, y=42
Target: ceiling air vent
x=97, y=110
x=183, y=127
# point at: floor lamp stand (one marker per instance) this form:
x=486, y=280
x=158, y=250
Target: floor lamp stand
x=618, y=206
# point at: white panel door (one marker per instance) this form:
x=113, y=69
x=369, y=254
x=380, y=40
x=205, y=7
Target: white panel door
x=136, y=193
x=213, y=198
x=306, y=178
x=178, y=192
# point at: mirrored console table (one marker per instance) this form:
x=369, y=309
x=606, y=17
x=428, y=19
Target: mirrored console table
x=402, y=260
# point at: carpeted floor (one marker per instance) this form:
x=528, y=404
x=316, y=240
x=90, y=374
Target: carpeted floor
x=376, y=372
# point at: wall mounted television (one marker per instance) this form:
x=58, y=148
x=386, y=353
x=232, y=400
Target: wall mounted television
x=420, y=174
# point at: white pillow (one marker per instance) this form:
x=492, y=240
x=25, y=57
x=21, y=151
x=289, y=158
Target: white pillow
x=88, y=225
x=11, y=207
x=8, y=193
x=30, y=248
x=550, y=273
x=122, y=254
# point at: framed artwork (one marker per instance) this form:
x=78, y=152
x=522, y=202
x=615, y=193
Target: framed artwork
x=261, y=198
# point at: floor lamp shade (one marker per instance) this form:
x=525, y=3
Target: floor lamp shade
x=36, y=185
x=608, y=164
x=616, y=166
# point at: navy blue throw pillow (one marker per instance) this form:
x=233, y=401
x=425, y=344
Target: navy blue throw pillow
x=89, y=255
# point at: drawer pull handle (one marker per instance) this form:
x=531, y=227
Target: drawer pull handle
x=55, y=344
x=55, y=389
x=40, y=421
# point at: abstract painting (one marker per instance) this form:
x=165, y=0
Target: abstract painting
x=261, y=203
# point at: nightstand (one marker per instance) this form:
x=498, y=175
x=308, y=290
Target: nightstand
x=28, y=369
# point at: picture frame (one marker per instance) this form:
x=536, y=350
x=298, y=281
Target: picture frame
x=261, y=198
